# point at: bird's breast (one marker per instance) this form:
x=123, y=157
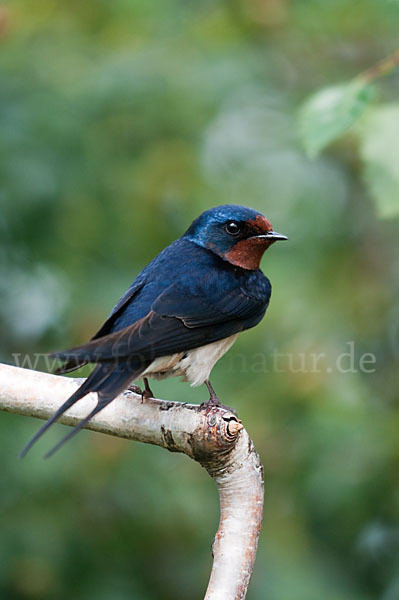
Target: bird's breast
x=194, y=365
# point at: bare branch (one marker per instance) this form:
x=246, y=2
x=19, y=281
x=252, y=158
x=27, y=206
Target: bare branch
x=214, y=437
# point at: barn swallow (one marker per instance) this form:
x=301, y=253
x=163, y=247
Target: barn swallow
x=181, y=314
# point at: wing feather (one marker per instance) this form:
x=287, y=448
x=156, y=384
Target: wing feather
x=166, y=330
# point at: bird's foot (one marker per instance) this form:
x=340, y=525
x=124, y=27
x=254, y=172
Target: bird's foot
x=211, y=402
x=147, y=392
x=214, y=400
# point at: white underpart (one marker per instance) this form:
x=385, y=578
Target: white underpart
x=194, y=365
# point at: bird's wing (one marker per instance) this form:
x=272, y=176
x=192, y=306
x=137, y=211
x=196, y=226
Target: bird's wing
x=198, y=308
x=180, y=318
x=119, y=308
x=75, y=362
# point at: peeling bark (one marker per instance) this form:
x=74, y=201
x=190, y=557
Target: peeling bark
x=214, y=437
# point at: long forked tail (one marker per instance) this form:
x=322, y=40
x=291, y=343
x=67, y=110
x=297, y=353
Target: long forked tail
x=108, y=380
x=103, y=400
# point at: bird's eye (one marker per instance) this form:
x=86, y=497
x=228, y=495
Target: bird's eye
x=232, y=227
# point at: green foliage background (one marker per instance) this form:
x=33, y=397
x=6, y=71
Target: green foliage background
x=119, y=123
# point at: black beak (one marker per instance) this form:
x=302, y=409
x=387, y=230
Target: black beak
x=273, y=235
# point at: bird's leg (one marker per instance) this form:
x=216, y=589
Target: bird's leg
x=147, y=393
x=214, y=400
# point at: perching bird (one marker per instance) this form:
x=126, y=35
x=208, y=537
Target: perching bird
x=181, y=314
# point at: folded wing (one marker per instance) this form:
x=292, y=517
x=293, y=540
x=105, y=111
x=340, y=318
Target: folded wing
x=179, y=319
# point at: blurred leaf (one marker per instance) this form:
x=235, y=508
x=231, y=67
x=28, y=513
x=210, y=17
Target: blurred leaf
x=331, y=111
x=379, y=134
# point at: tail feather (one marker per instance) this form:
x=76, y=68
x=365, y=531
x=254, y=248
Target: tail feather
x=108, y=380
x=96, y=377
x=70, y=365
x=100, y=405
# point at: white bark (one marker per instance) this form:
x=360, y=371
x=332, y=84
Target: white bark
x=214, y=437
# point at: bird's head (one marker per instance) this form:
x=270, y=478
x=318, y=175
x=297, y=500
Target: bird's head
x=238, y=234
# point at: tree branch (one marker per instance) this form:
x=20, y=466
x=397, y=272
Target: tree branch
x=214, y=437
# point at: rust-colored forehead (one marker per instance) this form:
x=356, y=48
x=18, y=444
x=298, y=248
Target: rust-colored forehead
x=261, y=223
